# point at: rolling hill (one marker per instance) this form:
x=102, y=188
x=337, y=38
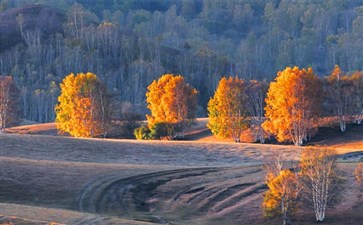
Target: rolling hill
x=49, y=178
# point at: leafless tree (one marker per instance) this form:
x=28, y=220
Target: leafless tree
x=8, y=102
x=256, y=92
x=273, y=161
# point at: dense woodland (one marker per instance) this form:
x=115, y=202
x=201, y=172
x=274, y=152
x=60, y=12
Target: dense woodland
x=130, y=43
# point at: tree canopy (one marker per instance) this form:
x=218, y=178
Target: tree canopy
x=83, y=106
x=292, y=104
x=227, y=109
x=172, y=101
x=281, y=198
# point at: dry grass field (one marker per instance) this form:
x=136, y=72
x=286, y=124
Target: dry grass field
x=46, y=178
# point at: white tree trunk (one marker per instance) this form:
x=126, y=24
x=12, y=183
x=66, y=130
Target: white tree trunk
x=342, y=123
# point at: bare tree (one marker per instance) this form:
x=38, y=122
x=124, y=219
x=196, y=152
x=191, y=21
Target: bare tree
x=8, y=102
x=273, y=161
x=338, y=93
x=256, y=92
x=357, y=99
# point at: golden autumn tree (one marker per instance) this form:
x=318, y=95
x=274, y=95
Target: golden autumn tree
x=171, y=101
x=227, y=109
x=83, y=106
x=292, y=105
x=280, y=200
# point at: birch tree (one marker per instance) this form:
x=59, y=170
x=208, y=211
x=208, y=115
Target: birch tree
x=273, y=161
x=320, y=178
x=357, y=96
x=227, y=109
x=280, y=199
x=338, y=93
x=256, y=94
x=83, y=108
x=283, y=187
x=292, y=105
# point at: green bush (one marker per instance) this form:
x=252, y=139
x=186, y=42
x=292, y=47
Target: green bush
x=160, y=131
x=142, y=133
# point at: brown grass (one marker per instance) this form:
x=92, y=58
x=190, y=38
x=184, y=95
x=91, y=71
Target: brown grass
x=329, y=134
x=44, y=128
x=65, y=180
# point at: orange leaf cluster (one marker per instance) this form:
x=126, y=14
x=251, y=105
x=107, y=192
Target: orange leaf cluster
x=292, y=104
x=171, y=100
x=281, y=197
x=79, y=109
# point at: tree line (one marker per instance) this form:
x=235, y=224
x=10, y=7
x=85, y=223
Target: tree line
x=129, y=43
x=287, y=109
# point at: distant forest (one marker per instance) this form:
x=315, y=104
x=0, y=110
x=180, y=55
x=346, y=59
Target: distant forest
x=130, y=43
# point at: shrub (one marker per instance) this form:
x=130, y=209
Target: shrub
x=142, y=133
x=161, y=130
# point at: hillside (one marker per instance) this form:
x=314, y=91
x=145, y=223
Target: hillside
x=331, y=136
x=17, y=24
x=128, y=44
x=277, y=71
x=96, y=181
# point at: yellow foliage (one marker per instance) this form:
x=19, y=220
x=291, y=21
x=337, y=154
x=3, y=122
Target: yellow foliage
x=79, y=109
x=292, y=104
x=314, y=158
x=171, y=100
x=282, y=194
x=227, y=109
x=336, y=74
x=320, y=177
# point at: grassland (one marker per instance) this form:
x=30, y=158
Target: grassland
x=49, y=178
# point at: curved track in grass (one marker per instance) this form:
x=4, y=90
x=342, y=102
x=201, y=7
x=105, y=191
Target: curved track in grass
x=176, y=195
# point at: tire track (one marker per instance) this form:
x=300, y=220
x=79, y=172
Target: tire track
x=127, y=197
x=147, y=197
